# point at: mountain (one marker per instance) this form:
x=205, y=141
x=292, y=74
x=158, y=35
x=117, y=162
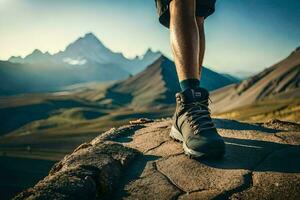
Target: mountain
x=212, y=80
x=139, y=63
x=85, y=60
x=232, y=78
x=280, y=81
x=157, y=85
x=89, y=49
x=35, y=57
x=86, y=50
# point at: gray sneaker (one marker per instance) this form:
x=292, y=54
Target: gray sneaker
x=193, y=125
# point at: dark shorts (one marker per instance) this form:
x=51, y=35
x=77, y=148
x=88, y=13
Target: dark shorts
x=204, y=8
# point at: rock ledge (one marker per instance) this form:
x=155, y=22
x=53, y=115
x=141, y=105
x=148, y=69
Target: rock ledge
x=140, y=161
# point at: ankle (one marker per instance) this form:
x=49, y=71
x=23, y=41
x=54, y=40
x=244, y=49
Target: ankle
x=189, y=84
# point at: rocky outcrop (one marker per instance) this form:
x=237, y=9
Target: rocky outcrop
x=140, y=161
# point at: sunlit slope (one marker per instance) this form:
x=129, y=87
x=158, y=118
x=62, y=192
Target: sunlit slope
x=278, y=82
x=263, y=111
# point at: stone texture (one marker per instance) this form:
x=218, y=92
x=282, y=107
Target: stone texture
x=152, y=186
x=191, y=175
x=272, y=185
x=281, y=125
x=203, y=195
x=166, y=149
x=92, y=171
x=140, y=161
x=277, y=177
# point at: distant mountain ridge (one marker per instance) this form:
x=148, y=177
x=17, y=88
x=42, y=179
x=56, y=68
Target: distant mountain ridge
x=84, y=60
x=86, y=50
x=157, y=85
x=35, y=56
x=281, y=81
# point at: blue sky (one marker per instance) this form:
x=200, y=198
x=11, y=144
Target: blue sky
x=242, y=36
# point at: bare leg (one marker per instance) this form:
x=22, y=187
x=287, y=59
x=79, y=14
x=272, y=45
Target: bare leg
x=185, y=38
x=200, y=23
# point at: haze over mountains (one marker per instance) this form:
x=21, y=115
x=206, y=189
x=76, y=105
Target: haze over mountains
x=85, y=60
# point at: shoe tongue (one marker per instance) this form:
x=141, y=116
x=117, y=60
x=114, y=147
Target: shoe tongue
x=194, y=95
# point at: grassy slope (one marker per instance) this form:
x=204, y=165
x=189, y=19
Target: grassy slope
x=60, y=124
x=262, y=111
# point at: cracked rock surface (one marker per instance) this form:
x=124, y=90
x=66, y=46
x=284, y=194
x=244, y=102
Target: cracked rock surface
x=141, y=161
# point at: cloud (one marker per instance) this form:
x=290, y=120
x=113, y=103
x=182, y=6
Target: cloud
x=76, y=61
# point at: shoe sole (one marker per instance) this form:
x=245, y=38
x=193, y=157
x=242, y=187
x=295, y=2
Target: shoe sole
x=213, y=153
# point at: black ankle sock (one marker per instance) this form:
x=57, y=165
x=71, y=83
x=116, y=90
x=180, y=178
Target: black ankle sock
x=189, y=84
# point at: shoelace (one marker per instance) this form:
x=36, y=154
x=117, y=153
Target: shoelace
x=196, y=113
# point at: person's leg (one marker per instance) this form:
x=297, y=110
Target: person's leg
x=200, y=23
x=184, y=37
x=192, y=124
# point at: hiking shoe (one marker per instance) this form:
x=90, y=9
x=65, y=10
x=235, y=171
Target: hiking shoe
x=193, y=125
